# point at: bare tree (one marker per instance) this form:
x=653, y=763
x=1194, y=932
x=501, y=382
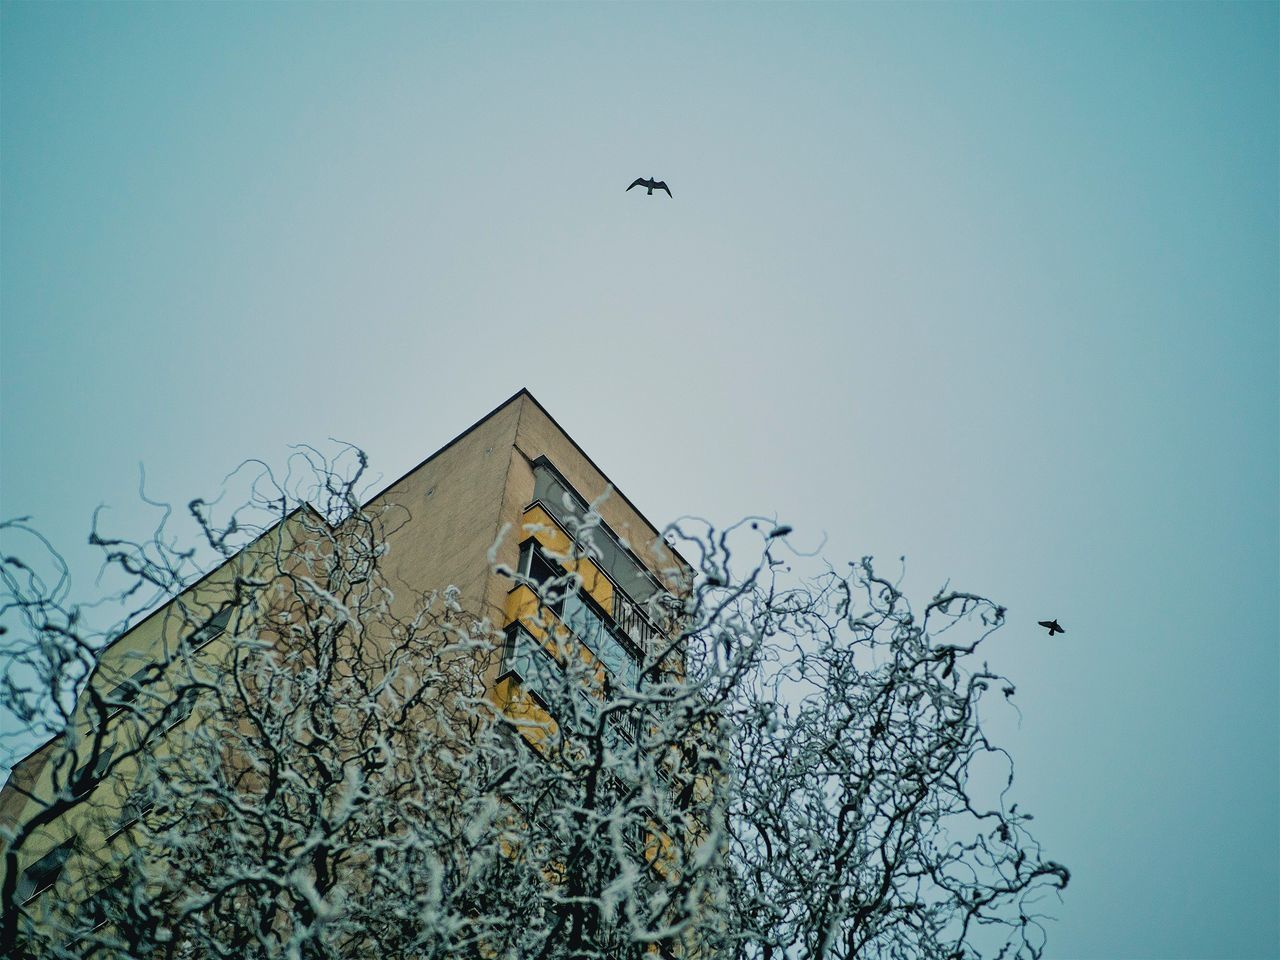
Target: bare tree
x=309, y=761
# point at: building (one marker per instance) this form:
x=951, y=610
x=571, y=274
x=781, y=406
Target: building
x=541, y=548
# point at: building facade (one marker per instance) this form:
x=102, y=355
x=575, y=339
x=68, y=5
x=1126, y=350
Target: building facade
x=540, y=550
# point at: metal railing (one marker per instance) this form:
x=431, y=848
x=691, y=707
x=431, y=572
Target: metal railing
x=628, y=616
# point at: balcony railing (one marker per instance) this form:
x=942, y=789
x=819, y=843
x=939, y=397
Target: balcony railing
x=633, y=622
x=628, y=615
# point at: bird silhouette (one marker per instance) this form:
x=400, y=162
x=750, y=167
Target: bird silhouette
x=1052, y=625
x=652, y=184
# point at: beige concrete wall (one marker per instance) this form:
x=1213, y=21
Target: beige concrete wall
x=443, y=516
x=153, y=640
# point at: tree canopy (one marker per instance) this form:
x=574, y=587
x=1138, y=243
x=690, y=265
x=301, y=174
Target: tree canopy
x=314, y=761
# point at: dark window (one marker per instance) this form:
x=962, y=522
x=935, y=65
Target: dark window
x=614, y=799
x=127, y=692
x=181, y=708
x=42, y=874
x=93, y=912
x=79, y=784
x=216, y=626
x=530, y=661
x=539, y=568
x=175, y=712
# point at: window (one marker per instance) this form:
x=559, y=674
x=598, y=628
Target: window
x=582, y=616
x=93, y=776
x=541, y=675
x=216, y=626
x=590, y=626
x=176, y=711
x=93, y=911
x=615, y=799
x=634, y=622
x=621, y=729
x=539, y=568
x=181, y=708
x=42, y=874
x=528, y=659
x=127, y=692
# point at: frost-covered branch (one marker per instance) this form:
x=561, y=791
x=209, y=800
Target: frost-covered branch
x=296, y=757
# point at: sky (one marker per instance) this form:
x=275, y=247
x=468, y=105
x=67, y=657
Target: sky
x=993, y=287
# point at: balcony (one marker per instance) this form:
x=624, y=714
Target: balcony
x=644, y=594
x=583, y=612
x=633, y=622
x=543, y=676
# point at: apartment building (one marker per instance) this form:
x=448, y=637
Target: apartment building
x=541, y=547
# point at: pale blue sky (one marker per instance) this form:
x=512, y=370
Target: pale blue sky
x=995, y=287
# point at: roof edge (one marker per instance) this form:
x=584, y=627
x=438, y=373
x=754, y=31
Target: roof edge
x=525, y=392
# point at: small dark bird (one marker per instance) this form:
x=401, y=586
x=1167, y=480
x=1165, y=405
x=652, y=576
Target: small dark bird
x=1052, y=625
x=652, y=184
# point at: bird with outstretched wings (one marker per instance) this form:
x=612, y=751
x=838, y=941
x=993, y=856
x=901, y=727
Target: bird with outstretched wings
x=652, y=184
x=1052, y=626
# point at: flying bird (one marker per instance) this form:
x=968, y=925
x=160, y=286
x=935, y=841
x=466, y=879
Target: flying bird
x=1052, y=625
x=652, y=184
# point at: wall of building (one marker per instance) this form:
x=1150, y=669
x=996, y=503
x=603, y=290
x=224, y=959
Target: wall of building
x=446, y=522
x=443, y=516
